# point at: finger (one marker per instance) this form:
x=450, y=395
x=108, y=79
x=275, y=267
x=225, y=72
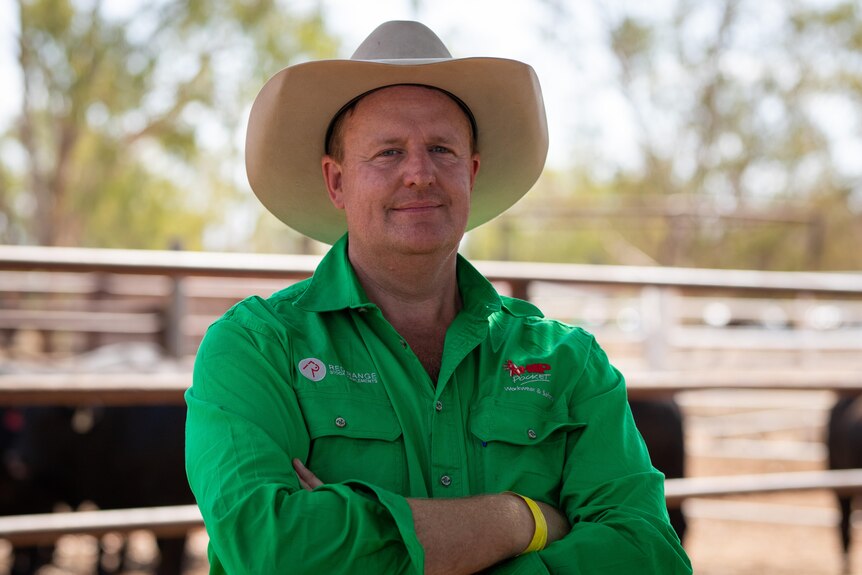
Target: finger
x=304, y=485
x=307, y=479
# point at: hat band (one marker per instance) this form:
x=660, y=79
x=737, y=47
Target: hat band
x=331, y=128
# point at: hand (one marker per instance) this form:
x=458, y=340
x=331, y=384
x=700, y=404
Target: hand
x=307, y=479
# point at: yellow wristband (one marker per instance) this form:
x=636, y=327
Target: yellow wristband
x=540, y=535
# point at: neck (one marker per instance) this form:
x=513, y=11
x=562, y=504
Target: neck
x=412, y=291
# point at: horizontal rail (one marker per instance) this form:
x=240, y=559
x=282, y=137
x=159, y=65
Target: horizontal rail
x=71, y=389
x=843, y=481
x=46, y=528
x=168, y=387
x=182, y=263
x=156, y=262
x=177, y=520
x=77, y=321
x=652, y=383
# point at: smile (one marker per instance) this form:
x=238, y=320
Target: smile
x=417, y=207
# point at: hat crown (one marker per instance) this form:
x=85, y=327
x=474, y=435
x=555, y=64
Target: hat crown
x=401, y=40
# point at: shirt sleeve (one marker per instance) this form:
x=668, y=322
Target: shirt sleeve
x=611, y=494
x=243, y=429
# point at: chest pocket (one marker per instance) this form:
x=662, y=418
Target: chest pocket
x=354, y=437
x=521, y=450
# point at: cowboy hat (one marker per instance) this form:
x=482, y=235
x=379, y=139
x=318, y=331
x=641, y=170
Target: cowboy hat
x=289, y=120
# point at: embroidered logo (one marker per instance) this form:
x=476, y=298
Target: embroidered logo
x=524, y=377
x=312, y=368
x=533, y=368
x=354, y=376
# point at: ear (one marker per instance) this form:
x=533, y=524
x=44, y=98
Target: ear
x=332, y=177
x=474, y=169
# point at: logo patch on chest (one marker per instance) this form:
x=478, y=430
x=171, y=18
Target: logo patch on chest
x=312, y=368
x=526, y=377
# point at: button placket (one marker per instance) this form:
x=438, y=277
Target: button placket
x=446, y=433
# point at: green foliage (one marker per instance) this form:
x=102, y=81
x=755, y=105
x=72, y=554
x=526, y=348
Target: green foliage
x=129, y=120
x=735, y=104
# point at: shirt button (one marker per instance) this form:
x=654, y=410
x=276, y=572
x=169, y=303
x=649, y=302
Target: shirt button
x=446, y=481
x=340, y=422
x=531, y=434
x=404, y=344
x=438, y=406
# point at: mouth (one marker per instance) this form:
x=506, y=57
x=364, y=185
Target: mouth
x=417, y=207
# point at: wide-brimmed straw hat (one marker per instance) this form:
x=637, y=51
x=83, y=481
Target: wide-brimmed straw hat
x=290, y=116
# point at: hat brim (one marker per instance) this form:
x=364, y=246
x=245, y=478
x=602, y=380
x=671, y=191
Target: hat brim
x=289, y=118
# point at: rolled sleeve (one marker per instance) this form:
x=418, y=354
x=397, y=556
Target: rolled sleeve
x=611, y=494
x=244, y=427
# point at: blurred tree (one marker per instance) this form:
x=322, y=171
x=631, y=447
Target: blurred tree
x=746, y=131
x=127, y=133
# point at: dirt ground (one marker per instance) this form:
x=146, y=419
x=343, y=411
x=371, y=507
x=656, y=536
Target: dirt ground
x=736, y=547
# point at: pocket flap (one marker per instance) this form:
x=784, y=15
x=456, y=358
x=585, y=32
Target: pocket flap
x=349, y=416
x=497, y=421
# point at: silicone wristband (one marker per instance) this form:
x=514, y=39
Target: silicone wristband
x=540, y=535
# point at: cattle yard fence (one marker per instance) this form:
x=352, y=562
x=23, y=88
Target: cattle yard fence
x=731, y=329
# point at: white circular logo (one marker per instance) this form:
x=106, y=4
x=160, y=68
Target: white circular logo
x=312, y=368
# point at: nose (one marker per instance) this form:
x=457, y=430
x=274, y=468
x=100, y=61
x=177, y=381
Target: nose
x=419, y=169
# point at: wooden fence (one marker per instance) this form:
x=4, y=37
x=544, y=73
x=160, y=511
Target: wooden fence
x=661, y=315
x=170, y=297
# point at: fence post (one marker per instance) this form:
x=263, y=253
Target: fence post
x=174, y=314
x=657, y=320
x=175, y=311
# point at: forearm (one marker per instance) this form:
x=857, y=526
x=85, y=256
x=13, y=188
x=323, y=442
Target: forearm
x=470, y=534
x=618, y=539
x=467, y=535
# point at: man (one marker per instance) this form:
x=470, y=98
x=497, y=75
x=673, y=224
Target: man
x=394, y=414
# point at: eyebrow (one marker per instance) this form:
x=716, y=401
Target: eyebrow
x=432, y=140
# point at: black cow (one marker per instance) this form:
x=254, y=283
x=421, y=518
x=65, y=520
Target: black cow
x=16, y=495
x=844, y=441
x=115, y=457
x=660, y=424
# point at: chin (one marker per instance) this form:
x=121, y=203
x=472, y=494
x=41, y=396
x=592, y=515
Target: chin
x=429, y=244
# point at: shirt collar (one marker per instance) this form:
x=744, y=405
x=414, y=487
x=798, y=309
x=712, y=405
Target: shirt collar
x=334, y=286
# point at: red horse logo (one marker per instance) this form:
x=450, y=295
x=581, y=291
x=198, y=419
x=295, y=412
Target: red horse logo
x=515, y=370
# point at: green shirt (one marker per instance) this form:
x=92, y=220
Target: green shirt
x=521, y=404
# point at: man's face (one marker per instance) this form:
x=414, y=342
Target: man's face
x=406, y=172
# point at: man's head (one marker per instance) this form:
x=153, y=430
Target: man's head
x=289, y=121
x=402, y=168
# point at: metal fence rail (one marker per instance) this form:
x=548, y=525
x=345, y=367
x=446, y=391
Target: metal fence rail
x=167, y=388
x=177, y=520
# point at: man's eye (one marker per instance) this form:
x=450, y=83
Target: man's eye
x=388, y=152
x=439, y=149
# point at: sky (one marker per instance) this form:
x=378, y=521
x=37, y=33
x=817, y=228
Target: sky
x=513, y=29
